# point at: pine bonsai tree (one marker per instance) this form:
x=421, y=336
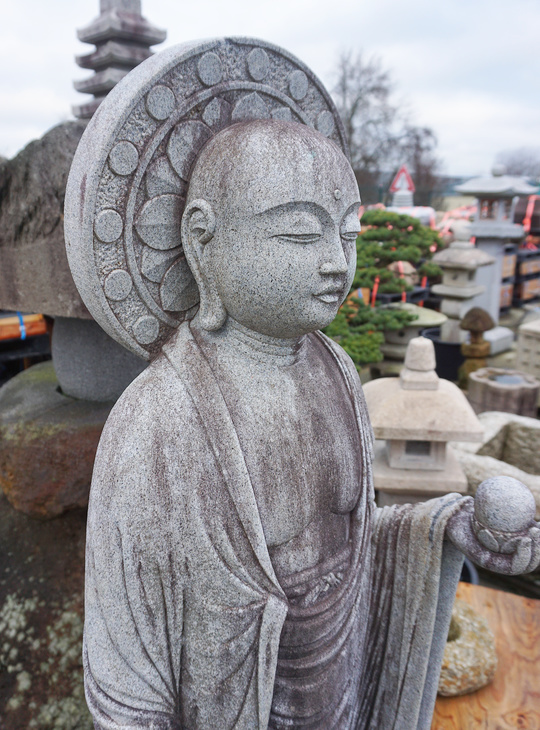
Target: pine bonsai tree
x=385, y=238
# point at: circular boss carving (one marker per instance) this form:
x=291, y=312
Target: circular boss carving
x=127, y=186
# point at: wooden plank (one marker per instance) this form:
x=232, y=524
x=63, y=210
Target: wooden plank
x=10, y=327
x=512, y=700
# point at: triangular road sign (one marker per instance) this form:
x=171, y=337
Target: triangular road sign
x=402, y=181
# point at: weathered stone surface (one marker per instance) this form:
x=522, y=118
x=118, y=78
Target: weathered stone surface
x=420, y=355
x=221, y=521
x=41, y=621
x=470, y=658
x=522, y=445
x=89, y=364
x=48, y=443
x=502, y=389
x=123, y=38
x=34, y=273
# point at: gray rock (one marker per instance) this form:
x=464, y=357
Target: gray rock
x=48, y=442
x=90, y=365
x=34, y=273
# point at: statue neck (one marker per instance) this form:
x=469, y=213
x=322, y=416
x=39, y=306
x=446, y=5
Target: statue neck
x=236, y=339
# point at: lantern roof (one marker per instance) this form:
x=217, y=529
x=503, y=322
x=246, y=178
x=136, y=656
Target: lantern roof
x=420, y=406
x=496, y=185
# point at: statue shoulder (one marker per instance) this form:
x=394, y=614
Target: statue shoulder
x=340, y=356
x=152, y=432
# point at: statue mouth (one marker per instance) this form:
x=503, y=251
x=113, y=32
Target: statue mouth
x=332, y=296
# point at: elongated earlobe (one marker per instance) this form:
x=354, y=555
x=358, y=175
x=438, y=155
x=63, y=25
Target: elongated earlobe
x=198, y=227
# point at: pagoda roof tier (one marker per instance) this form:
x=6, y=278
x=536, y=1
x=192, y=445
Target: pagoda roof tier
x=101, y=82
x=113, y=53
x=496, y=186
x=87, y=109
x=462, y=255
x=118, y=24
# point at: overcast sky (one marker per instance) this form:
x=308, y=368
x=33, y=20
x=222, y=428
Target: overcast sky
x=470, y=69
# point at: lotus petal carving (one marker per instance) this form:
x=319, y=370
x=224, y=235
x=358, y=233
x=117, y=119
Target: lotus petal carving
x=162, y=179
x=251, y=106
x=184, y=145
x=154, y=264
x=178, y=290
x=158, y=223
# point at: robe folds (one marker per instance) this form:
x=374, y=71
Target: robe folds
x=186, y=623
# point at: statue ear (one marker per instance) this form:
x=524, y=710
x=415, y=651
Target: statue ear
x=198, y=227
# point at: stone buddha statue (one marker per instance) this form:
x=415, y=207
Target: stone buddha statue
x=239, y=574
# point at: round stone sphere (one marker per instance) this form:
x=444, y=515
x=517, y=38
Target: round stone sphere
x=504, y=504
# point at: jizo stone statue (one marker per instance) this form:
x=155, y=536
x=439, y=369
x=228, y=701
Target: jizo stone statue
x=239, y=574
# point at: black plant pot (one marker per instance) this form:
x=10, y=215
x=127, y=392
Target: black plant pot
x=448, y=354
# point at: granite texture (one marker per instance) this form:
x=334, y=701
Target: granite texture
x=34, y=272
x=88, y=363
x=233, y=539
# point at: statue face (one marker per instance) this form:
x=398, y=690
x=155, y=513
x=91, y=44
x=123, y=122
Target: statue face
x=283, y=254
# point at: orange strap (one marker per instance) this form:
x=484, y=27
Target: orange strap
x=374, y=291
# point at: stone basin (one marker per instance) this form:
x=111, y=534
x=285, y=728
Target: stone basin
x=499, y=389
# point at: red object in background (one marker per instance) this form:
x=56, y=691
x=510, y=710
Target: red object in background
x=529, y=213
x=374, y=291
x=402, y=181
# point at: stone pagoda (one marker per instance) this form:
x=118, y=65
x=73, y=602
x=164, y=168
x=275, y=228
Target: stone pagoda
x=493, y=227
x=414, y=417
x=459, y=262
x=122, y=38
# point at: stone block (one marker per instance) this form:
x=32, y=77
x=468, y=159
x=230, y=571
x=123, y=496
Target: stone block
x=428, y=483
x=48, y=443
x=34, y=272
x=500, y=339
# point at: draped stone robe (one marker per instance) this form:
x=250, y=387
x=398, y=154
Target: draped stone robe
x=187, y=625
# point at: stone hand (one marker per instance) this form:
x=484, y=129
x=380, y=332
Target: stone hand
x=497, y=529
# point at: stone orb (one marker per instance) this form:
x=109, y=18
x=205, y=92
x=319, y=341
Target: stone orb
x=504, y=504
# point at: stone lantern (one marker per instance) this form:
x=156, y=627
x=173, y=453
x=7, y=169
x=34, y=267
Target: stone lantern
x=493, y=227
x=459, y=287
x=414, y=417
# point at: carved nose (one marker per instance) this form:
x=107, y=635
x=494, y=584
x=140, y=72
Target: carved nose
x=337, y=265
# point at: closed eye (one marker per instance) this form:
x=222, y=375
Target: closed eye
x=349, y=236
x=298, y=237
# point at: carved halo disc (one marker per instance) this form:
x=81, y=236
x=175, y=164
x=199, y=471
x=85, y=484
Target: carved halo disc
x=127, y=185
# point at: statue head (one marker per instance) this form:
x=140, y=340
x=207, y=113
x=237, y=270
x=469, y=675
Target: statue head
x=269, y=228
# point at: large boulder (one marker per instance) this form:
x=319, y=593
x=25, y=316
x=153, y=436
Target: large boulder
x=34, y=272
x=48, y=443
